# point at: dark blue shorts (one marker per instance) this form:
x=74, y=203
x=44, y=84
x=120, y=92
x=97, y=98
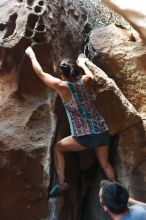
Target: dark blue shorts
x=93, y=140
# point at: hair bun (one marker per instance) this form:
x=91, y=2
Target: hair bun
x=69, y=68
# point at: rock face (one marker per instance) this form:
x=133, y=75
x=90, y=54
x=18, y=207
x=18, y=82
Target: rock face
x=121, y=55
x=32, y=119
x=28, y=121
x=132, y=11
x=110, y=101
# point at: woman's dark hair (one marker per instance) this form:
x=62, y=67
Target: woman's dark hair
x=69, y=68
x=114, y=196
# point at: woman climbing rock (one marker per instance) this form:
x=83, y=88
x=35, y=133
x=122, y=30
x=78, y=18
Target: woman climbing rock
x=88, y=127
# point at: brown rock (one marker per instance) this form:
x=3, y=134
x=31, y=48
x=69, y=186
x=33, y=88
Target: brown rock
x=133, y=11
x=111, y=103
x=131, y=155
x=28, y=121
x=122, y=58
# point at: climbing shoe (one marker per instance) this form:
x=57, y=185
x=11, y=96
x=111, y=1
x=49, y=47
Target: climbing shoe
x=58, y=188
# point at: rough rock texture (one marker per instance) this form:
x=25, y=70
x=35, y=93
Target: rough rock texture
x=131, y=165
x=121, y=55
x=32, y=119
x=99, y=15
x=133, y=11
x=28, y=121
x=110, y=101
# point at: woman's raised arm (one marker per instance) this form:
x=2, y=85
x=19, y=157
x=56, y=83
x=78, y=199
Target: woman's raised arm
x=47, y=78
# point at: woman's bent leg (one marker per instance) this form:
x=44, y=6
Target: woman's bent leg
x=65, y=145
x=102, y=153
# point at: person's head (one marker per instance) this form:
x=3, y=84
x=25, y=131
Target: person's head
x=69, y=69
x=113, y=197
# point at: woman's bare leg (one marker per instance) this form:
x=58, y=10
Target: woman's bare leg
x=102, y=153
x=65, y=145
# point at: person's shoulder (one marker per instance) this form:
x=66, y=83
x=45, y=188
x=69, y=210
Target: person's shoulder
x=138, y=210
x=135, y=212
x=139, y=207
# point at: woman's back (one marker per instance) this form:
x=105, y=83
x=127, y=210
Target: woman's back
x=81, y=111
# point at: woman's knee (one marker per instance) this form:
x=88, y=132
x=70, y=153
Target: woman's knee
x=57, y=147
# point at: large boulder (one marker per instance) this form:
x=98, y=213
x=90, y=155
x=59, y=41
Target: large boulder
x=32, y=119
x=121, y=55
x=133, y=11
x=28, y=121
x=110, y=101
x=130, y=160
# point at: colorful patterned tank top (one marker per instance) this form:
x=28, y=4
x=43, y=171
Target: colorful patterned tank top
x=82, y=114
